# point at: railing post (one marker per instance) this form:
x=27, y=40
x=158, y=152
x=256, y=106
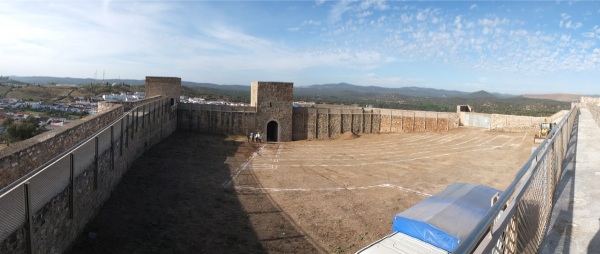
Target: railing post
x=71, y=185
x=131, y=126
x=28, y=219
x=143, y=115
x=137, y=116
x=97, y=161
x=112, y=147
x=121, y=139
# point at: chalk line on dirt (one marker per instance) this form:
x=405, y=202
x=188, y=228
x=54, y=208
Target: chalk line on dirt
x=243, y=166
x=385, y=185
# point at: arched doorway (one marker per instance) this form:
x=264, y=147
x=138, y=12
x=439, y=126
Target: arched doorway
x=272, y=134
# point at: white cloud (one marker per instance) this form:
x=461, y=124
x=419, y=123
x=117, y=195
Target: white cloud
x=386, y=81
x=376, y=4
x=155, y=38
x=338, y=10
x=364, y=14
x=406, y=18
x=485, y=31
x=421, y=16
x=311, y=22
x=473, y=7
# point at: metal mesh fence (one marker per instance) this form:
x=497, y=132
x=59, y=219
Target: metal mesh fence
x=49, y=180
x=104, y=140
x=117, y=131
x=517, y=221
x=84, y=156
x=12, y=205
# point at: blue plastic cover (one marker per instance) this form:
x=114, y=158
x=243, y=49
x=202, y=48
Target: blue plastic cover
x=445, y=218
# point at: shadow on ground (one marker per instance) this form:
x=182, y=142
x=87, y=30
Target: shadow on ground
x=172, y=200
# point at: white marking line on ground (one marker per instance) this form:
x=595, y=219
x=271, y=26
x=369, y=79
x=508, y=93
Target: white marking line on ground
x=489, y=140
x=394, y=161
x=243, y=166
x=524, y=136
x=450, y=139
x=392, y=152
x=396, y=149
x=360, y=146
x=385, y=185
x=507, y=142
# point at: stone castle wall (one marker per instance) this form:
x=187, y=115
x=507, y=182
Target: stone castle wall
x=273, y=102
x=512, y=123
x=219, y=119
x=416, y=121
x=313, y=123
x=170, y=87
x=56, y=223
x=20, y=158
x=593, y=105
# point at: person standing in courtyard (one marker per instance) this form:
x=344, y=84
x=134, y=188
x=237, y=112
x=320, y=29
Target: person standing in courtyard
x=251, y=137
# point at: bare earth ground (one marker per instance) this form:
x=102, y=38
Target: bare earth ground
x=196, y=193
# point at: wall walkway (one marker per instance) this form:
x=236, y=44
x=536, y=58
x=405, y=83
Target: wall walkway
x=575, y=221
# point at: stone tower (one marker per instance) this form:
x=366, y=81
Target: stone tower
x=166, y=86
x=273, y=102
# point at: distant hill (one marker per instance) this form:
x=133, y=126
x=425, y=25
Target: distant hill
x=327, y=89
x=481, y=94
x=556, y=96
x=321, y=90
x=332, y=89
x=42, y=80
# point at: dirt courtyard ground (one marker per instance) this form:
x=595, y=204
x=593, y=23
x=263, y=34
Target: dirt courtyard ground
x=196, y=193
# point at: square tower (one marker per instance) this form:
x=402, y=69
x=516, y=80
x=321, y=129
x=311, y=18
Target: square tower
x=169, y=87
x=273, y=102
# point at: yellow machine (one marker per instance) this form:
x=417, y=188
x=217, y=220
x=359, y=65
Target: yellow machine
x=545, y=129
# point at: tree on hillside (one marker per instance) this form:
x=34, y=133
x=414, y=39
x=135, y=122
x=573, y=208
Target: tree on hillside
x=28, y=128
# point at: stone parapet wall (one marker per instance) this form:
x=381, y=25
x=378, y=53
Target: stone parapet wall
x=313, y=123
x=128, y=105
x=322, y=123
x=169, y=87
x=416, y=121
x=593, y=105
x=512, y=123
x=22, y=157
x=220, y=119
x=52, y=227
x=589, y=100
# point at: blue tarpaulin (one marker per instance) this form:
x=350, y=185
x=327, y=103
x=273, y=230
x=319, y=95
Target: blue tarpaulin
x=445, y=218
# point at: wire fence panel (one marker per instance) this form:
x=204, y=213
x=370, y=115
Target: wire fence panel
x=104, y=141
x=12, y=205
x=49, y=182
x=84, y=156
x=517, y=222
x=117, y=131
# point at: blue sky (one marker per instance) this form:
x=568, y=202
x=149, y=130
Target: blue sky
x=512, y=47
